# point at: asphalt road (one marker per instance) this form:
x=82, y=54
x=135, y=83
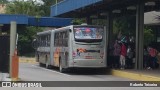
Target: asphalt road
x=32, y=72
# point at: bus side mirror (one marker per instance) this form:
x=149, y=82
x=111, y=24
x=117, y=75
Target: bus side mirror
x=70, y=30
x=34, y=43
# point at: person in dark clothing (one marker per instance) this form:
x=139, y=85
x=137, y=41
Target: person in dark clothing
x=145, y=58
x=152, y=54
x=116, y=53
x=129, y=57
x=110, y=57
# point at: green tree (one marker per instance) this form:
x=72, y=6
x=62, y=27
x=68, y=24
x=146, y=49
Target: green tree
x=120, y=25
x=26, y=33
x=148, y=36
x=77, y=21
x=46, y=6
x=3, y=1
x=125, y=25
x=24, y=7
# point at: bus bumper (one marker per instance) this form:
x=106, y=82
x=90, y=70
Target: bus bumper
x=87, y=63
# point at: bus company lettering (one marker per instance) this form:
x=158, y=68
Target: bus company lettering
x=26, y=84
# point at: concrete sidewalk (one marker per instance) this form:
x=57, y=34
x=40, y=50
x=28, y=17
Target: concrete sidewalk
x=140, y=75
x=4, y=77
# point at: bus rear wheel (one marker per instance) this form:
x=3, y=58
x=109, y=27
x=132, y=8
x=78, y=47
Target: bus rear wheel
x=61, y=69
x=47, y=64
x=40, y=64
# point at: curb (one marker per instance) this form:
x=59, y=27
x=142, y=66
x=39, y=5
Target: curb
x=27, y=61
x=134, y=76
x=16, y=79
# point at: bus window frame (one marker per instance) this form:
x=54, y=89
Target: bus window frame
x=88, y=40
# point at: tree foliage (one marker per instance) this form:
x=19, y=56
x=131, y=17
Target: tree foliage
x=3, y=1
x=46, y=6
x=119, y=26
x=26, y=33
x=24, y=7
x=125, y=24
x=148, y=36
x=31, y=8
x=77, y=21
x=127, y=27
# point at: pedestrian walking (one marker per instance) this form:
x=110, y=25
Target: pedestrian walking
x=123, y=55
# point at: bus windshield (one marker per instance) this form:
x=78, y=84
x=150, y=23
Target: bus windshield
x=88, y=34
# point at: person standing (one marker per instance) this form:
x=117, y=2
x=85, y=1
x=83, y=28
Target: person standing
x=123, y=55
x=116, y=53
x=152, y=53
x=129, y=57
x=145, y=58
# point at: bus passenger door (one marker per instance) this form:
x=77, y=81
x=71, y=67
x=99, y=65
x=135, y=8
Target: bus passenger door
x=56, y=57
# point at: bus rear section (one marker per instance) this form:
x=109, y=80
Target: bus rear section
x=89, y=47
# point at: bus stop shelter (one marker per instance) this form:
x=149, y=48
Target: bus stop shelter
x=107, y=9
x=10, y=23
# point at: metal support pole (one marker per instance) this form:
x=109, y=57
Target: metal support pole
x=110, y=27
x=139, y=35
x=107, y=35
x=13, y=34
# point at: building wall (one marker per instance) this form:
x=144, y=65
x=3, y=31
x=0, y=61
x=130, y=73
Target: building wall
x=2, y=8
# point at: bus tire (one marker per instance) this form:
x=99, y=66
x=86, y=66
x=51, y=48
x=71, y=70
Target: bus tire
x=61, y=69
x=40, y=64
x=38, y=58
x=47, y=64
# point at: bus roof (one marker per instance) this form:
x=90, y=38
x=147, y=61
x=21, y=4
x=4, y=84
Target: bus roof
x=61, y=29
x=44, y=32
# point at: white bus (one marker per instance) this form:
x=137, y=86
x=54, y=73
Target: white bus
x=75, y=46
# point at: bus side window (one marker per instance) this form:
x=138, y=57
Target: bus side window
x=58, y=44
x=66, y=38
x=43, y=41
x=37, y=41
x=40, y=41
x=49, y=39
x=46, y=40
x=61, y=39
x=56, y=39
